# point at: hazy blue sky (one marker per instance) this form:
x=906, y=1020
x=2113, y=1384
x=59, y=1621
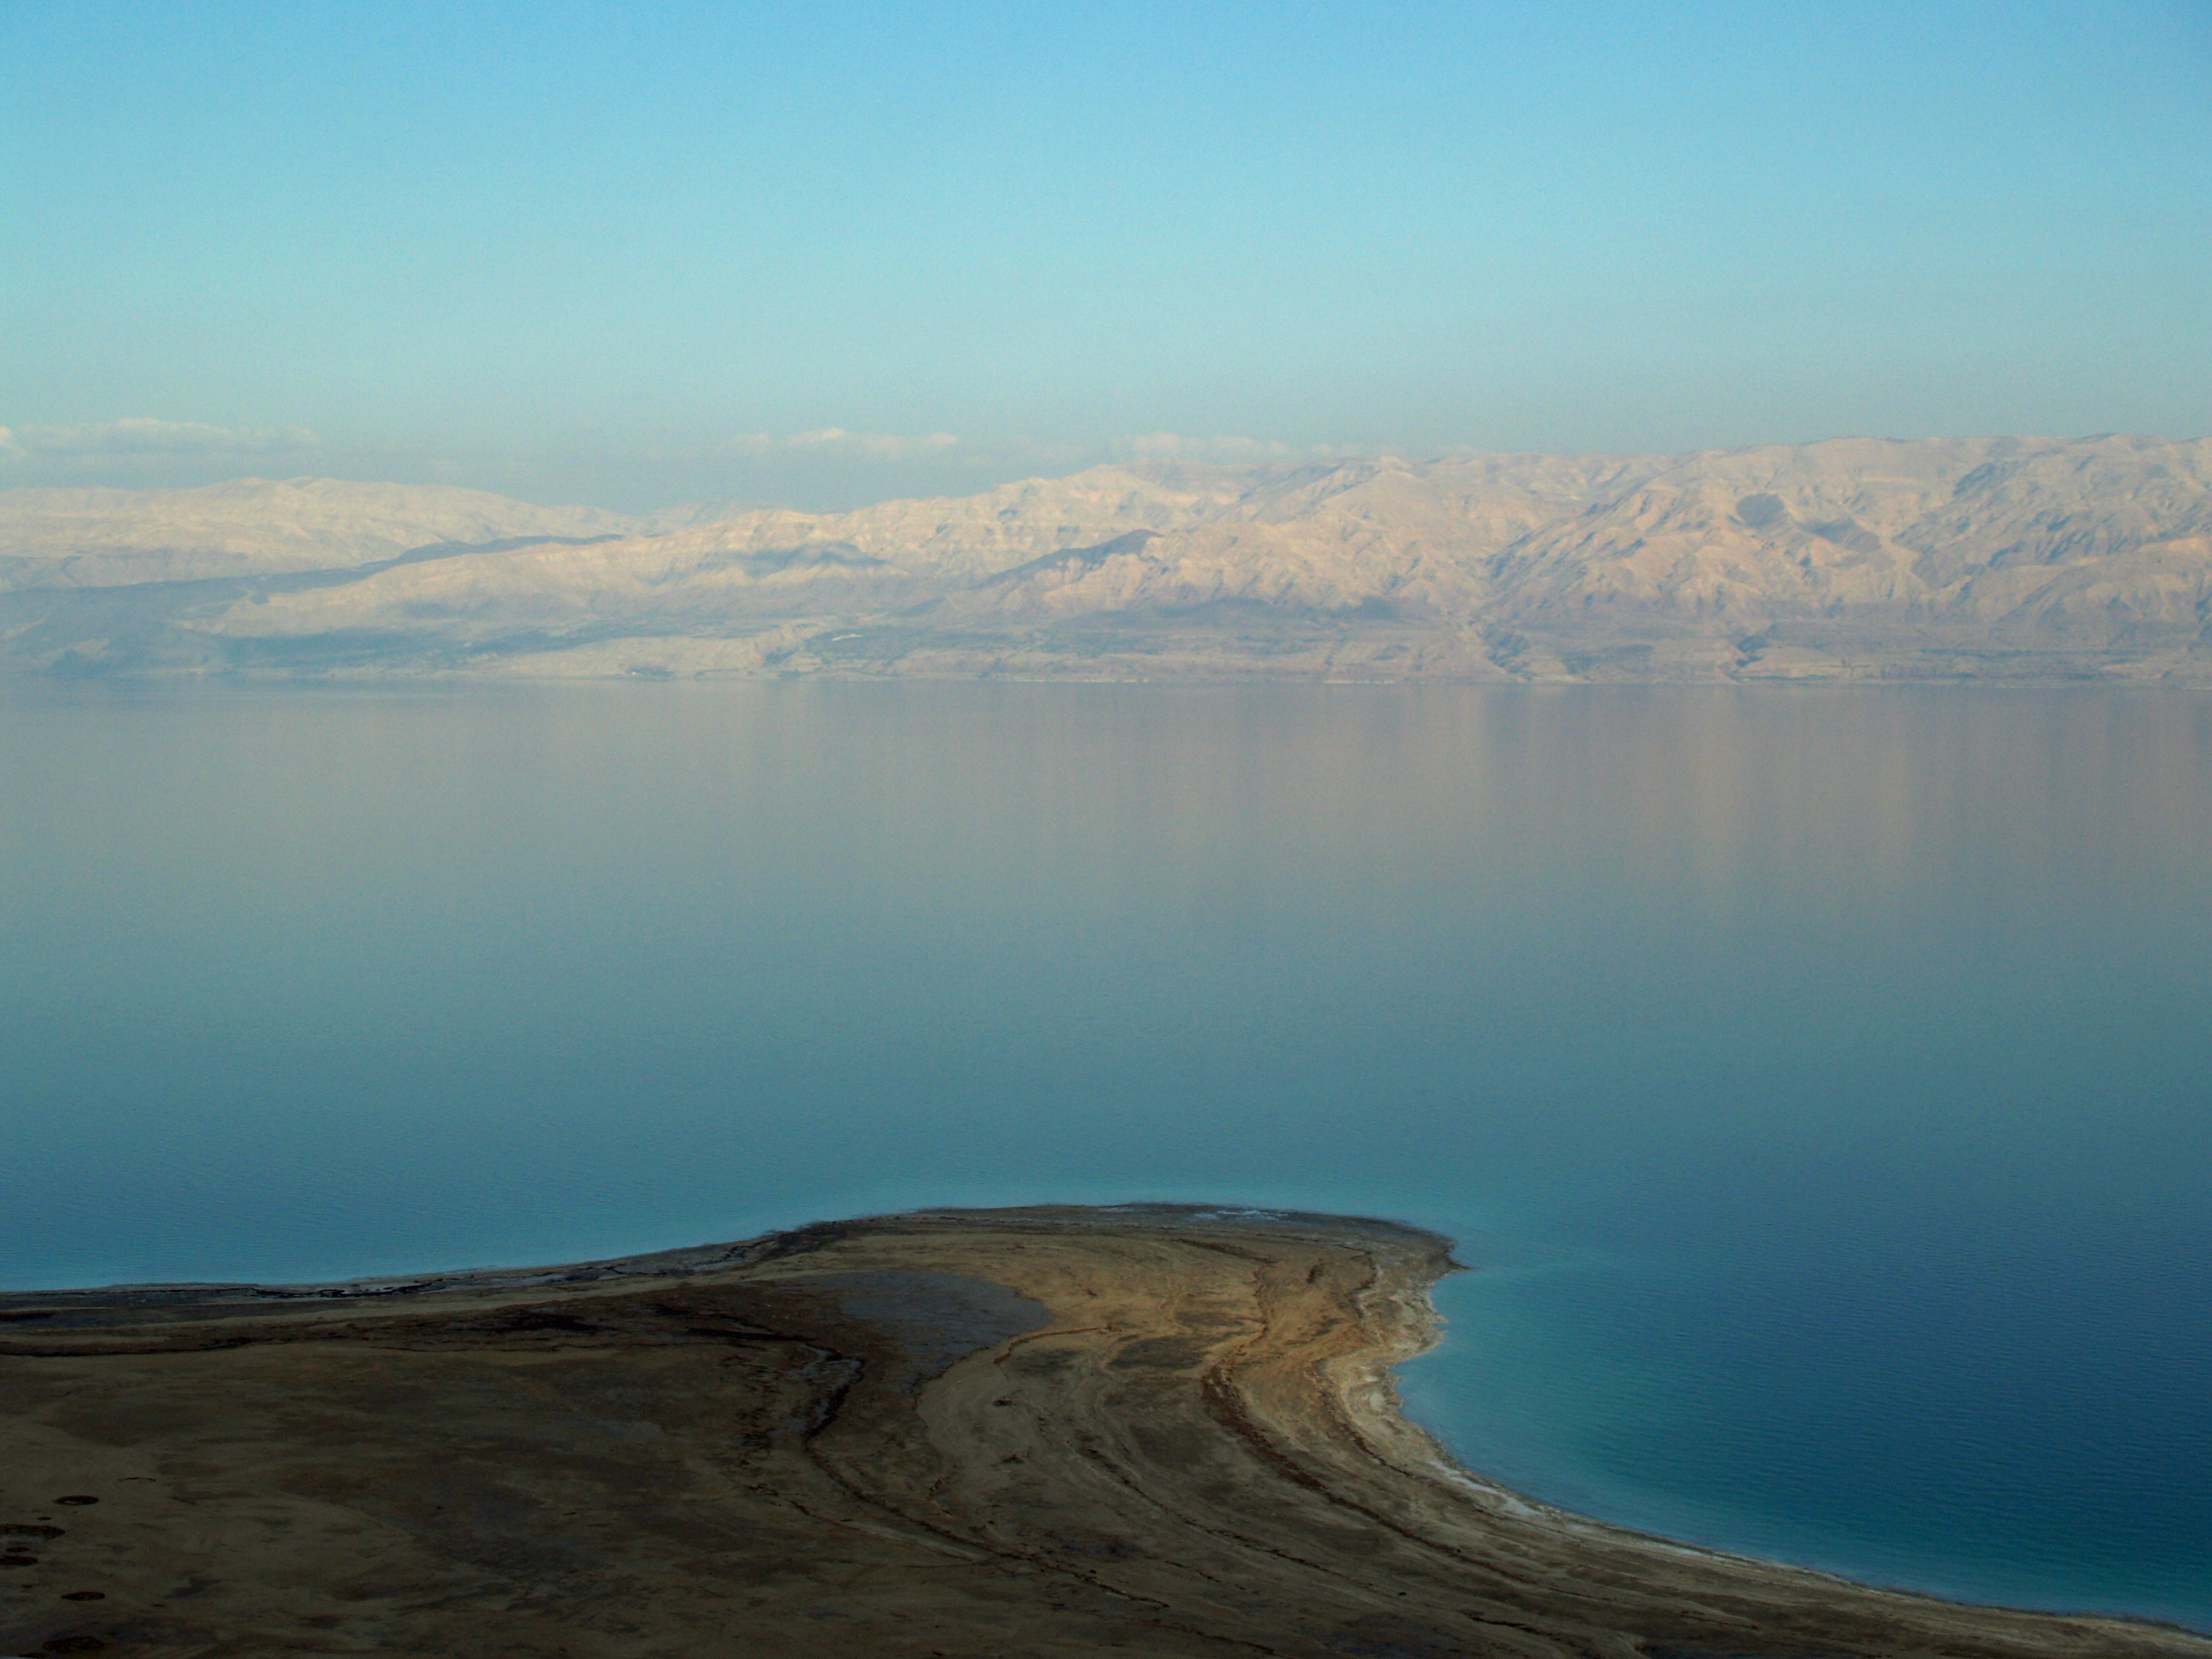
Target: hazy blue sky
x=631, y=254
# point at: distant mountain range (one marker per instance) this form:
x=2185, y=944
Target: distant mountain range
x=1947, y=559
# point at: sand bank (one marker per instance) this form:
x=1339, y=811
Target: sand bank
x=1050, y=1432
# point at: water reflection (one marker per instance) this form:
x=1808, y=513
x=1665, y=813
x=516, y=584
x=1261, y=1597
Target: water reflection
x=1814, y=1027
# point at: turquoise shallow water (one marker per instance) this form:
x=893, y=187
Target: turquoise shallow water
x=1818, y=1082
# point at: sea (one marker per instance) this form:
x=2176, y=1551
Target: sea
x=1817, y=1082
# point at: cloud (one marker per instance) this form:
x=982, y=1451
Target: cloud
x=1175, y=446
x=138, y=435
x=834, y=440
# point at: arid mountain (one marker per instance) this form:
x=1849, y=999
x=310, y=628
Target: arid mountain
x=1961, y=558
x=250, y=528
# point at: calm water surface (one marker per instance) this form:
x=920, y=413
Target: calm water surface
x=1820, y=1083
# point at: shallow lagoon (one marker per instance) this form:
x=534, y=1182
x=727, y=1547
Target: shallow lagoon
x=1820, y=1080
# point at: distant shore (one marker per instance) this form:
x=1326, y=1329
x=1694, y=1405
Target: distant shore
x=2004, y=559
x=1143, y=1429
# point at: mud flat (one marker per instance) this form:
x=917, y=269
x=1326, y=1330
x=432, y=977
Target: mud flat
x=1145, y=1429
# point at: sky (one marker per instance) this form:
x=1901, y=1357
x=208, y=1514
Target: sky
x=642, y=253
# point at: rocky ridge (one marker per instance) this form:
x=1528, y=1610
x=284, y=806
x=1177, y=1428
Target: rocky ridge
x=1966, y=558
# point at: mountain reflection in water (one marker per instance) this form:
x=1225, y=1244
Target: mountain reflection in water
x=1821, y=1077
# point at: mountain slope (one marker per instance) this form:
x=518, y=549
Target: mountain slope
x=251, y=526
x=1943, y=558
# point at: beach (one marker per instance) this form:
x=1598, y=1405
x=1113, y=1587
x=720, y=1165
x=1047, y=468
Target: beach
x=1142, y=1429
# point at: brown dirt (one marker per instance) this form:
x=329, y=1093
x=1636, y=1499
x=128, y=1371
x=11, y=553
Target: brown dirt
x=1043, y=1433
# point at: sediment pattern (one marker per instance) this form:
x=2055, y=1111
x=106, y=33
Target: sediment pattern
x=1051, y=1432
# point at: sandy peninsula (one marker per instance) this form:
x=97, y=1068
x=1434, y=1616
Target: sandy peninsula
x=1145, y=1429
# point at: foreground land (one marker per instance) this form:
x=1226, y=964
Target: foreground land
x=1143, y=1430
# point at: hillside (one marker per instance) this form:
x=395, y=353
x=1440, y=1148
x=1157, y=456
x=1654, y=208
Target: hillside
x=1858, y=557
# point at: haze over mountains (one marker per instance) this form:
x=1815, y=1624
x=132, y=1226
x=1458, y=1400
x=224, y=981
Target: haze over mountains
x=1967, y=558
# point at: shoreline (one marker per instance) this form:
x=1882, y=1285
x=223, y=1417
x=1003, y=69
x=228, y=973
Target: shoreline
x=1144, y=1428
